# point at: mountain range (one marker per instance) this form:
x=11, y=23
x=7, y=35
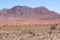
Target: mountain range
x=25, y=13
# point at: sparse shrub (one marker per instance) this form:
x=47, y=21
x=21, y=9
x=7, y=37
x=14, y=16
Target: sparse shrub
x=53, y=27
x=56, y=24
x=4, y=25
x=31, y=32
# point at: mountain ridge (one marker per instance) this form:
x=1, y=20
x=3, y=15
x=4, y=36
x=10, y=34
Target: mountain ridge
x=27, y=13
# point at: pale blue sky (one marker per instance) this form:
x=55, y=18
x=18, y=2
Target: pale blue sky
x=50, y=4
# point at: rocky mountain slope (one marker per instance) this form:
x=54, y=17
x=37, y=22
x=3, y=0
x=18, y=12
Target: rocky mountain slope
x=24, y=13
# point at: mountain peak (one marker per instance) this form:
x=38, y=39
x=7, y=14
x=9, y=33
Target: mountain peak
x=20, y=7
x=42, y=8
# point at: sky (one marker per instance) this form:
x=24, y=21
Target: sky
x=49, y=4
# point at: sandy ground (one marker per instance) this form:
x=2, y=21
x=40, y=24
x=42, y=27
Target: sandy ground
x=12, y=22
x=40, y=32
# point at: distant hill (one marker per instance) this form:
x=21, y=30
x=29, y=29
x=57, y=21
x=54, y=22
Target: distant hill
x=24, y=13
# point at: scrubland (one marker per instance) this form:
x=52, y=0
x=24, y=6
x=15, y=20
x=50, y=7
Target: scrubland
x=30, y=32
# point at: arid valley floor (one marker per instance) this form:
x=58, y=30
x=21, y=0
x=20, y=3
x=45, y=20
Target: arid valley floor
x=30, y=32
